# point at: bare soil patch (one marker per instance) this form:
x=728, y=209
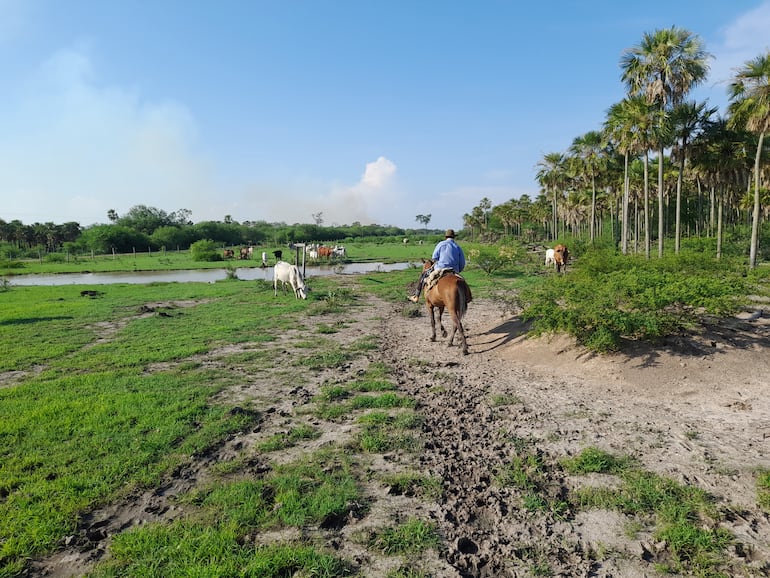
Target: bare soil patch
x=694, y=409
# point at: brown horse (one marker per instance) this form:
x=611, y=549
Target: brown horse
x=452, y=293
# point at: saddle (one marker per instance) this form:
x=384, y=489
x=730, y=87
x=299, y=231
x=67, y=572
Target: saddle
x=435, y=275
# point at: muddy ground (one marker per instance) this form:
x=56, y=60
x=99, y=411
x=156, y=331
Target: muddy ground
x=695, y=409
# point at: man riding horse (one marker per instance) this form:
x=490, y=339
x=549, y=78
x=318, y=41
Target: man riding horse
x=446, y=255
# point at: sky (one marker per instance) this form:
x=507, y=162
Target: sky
x=278, y=110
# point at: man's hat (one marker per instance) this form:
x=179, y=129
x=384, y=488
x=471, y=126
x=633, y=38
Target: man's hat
x=450, y=233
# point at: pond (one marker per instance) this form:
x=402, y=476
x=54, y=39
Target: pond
x=196, y=275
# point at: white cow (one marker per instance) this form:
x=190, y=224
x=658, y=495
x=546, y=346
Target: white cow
x=339, y=251
x=549, y=257
x=288, y=273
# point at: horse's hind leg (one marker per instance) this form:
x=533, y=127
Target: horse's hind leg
x=432, y=323
x=441, y=322
x=457, y=325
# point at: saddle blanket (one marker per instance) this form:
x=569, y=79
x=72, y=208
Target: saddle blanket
x=436, y=274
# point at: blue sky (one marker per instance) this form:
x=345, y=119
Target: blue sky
x=276, y=110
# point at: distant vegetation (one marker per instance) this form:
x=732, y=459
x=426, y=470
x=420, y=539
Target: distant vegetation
x=145, y=229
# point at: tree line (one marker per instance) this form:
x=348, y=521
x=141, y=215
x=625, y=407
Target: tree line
x=712, y=171
x=145, y=228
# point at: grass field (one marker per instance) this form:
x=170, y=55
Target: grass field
x=84, y=421
x=103, y=396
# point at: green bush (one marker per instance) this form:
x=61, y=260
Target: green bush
x=608, y=297
x=55, y=258
x=205, y=250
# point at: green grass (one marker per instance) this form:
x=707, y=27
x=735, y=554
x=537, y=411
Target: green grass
x=414, y=484
x=111, y=395
x=387, y=252
x=70, y=442
x=414, y=535
x=211, y=541
x=319, y=489
x=325, y=359
x=685, y=517
x=594, y=460
x=383, y=432
x=93, y=421
x=763, y=489
x=341, y=399
x=501, y=400
x=286, y=440
x=186, y=549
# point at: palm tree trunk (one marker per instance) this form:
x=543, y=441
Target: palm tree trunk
x=593, y=206
x=646, y=205
x=678, y=217
x=636, y=224
x=755, y=219
x=699, y=220
x=555, y=231
x=719, y=227
x=624, y=217
x=660, y=202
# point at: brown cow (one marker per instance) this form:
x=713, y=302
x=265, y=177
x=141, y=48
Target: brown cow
x=324, y=251
x=560, y=257
x=244, y=253
x=228, y=253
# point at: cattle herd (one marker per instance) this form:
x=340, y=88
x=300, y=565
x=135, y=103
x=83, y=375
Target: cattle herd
x=288, y=274
x=314, y=251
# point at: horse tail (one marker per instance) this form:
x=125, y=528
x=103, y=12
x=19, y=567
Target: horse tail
x=463, y=292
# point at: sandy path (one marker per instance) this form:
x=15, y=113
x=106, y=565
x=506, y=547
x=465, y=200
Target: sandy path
x=696, y=411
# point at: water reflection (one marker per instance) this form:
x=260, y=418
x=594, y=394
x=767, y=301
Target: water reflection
x=197, y=275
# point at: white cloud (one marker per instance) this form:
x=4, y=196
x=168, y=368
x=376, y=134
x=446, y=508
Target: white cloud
x=740, y=41
x=374, y=198
x=378, y=174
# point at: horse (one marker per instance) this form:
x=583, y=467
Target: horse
x=450, y=292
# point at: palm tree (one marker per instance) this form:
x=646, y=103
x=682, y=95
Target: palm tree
x=506, y=213
x=589, y=149
x=719, y=158
x=484, y=207
x=550, y=175
x=424, y=219
x=628, y=127
x=688, y=118
x=750, y=106
x=574, y=210
x=664, y=67
x=618, y=129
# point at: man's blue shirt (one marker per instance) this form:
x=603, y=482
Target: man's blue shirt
x=449, y=255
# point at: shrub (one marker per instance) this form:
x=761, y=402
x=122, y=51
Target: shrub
x=205, y=250
x=55, y=258
x=610, y=297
